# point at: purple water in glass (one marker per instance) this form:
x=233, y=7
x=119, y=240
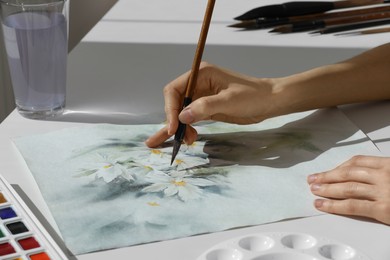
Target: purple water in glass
x=37, y=48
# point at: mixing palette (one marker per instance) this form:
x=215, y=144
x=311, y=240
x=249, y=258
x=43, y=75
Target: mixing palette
x=282, y=246
x=22, y=237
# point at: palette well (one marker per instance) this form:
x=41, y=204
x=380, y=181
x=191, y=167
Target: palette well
x=282, y=246
x=22, y=236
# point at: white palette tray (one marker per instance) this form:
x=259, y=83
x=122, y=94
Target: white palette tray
x=282, y=246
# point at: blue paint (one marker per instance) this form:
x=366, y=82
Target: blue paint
x=6, y=213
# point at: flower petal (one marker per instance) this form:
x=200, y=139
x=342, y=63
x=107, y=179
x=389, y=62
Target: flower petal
x=157, y=187
x=200, y=182
x=189, y=192
x=157, y=177
x=171, y=190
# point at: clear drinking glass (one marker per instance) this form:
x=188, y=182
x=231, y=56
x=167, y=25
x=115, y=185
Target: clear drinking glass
x=36, y=41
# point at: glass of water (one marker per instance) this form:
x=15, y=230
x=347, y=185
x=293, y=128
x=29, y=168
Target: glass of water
x=36, y=41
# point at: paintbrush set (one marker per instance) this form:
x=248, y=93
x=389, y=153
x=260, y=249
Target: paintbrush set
x=318, y=17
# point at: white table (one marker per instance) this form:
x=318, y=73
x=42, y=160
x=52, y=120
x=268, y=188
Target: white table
x=117, y=73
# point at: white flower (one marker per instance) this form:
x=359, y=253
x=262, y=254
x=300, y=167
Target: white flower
x=177, y=183
x=107, y=168
x=183, y=162
x=160, y=159
x=135, y=164
x=195, y=149
x=157, y=159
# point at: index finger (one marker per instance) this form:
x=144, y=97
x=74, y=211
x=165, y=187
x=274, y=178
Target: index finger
x=374, y=162
x=158, y=138
x=173, y=95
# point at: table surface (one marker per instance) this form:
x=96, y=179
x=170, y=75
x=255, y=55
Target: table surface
x=179, y=21
x=109, y=81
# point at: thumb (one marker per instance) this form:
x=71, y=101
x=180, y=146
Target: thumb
x=201, y=109
x=187, y=116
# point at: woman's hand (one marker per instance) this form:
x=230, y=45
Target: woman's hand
x=227, y=96
x=358, y=187
x=219, y=95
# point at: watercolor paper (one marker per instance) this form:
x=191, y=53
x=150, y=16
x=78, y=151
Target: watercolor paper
x=106, y=189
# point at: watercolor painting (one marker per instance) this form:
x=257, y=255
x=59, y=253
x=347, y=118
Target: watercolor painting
x=106, y=189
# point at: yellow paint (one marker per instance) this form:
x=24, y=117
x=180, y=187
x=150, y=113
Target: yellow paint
x=179, y=183
x=155, y=151
x=178, y=161
x=107, y=166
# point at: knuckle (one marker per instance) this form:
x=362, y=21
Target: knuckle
x=346, y=172
x=351, y=189
x=167, y=89
x=204, y=65
x=356, y=159
x=207, y=72
x=206, y=69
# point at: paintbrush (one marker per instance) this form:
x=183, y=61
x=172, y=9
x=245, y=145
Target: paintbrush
x=303, y=8
x=263, y=22
x=369, y=31
x=180, y=132
x=317, y=24
x=349, y=27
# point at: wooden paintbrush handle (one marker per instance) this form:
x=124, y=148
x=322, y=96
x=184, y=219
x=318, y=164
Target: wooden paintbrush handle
x=357, y=19
x=354, y=3
x=340, y=14
x=372, y=31
x=199, y=50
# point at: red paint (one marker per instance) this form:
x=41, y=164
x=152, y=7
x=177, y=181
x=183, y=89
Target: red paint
x=6, y=249
x=28, y=243
x=40, y=256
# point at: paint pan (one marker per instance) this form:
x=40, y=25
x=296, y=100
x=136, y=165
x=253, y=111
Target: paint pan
x=281, y=246
x=22, y=236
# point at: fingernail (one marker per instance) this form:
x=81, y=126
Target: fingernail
x=312, y=178
x=147, y=142
x=319, y=203
x=186, y=116
x=315, y=187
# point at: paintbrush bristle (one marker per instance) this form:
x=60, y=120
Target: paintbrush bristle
x=176, y=148
x=244, y=24
x=282, y=29
x=251, y=14
x=315, y=32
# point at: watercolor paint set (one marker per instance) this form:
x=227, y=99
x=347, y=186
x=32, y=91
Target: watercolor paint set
x=281, y=246
x=22, y=236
